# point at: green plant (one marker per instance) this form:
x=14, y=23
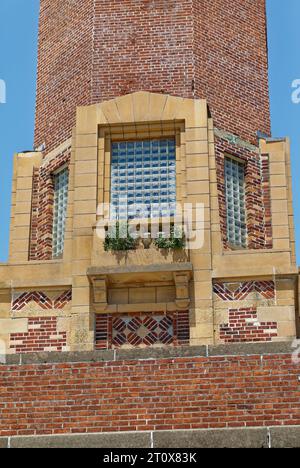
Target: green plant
x=119, y=239
x=176, y=240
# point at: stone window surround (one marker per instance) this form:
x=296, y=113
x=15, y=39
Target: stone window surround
x=139, y=132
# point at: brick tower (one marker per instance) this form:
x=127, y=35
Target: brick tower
x=156, y=340
x=192, y=49
x=164, y=101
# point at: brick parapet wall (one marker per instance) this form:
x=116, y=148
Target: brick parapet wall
x=143, y=390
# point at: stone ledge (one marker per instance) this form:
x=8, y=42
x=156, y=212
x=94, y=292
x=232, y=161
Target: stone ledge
x=261, y=437
x=248, y=349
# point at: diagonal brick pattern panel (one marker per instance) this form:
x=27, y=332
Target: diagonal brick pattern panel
x=21, y=300
x=142, y=330
x=241, y=291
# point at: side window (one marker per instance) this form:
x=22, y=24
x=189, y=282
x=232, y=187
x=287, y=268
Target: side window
x=235, y=203
x=61, y=185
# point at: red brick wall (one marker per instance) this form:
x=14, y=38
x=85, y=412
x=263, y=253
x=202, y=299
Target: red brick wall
x=93, y=50
x=42, y=336
x=175, y=393
x=231, y=64
x=244, y=327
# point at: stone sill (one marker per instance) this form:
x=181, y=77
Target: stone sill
x=247, y=349
x=254, y=252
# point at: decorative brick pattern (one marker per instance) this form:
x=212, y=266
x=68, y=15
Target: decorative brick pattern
x=21, y=300
x=241, y=291
x=42, y=208
x=104, y=49
x=42, y=336
x=258, y=202
x=142, y=330
x=244, y=327
x=146, y=395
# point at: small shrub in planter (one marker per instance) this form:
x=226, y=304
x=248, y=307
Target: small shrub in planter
x=176, y=241
x=121, y=241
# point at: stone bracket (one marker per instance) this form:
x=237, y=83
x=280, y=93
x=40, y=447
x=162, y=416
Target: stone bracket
x=182, y=280
x=100, y=292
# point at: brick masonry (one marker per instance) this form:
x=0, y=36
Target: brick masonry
x=94, y=50
x=142, y=330
x=151, y=391
x=241, y=291
x=42, y=336
x=21, y=300
x=244, y=327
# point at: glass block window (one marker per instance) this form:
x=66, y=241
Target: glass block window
x=61, y=183
x=235, y=202
x=143, y=173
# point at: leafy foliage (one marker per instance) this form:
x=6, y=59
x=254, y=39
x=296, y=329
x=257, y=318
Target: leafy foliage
x=120, y=239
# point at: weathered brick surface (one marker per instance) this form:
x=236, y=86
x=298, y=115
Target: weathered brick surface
x=64, y=67
x=166, y=394
x=42, y=336
x=94, y=50
x=244, y=327
x=231, y=64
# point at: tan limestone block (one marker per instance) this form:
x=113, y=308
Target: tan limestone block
x=86, y=119
x=80, y=296
x=86, y=154
x=86, y=167
x=287, y=329
x=85, y=193
x=166, y=294
x=118, y=296
x=281, y=244
x=196, y=134
x=197, y=174
x=8, y=326
x=142, y=295
x=197, y=160
x=156, y=106
x=81, y=221
x=85, y=180
x=195, y=188
x=88, y=141
x=276, y=314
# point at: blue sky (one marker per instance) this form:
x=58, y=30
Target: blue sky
x=18, y=47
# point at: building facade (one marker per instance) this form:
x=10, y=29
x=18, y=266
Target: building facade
x=163, y=104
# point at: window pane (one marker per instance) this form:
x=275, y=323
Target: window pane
x=143, y=173
x=61, y=182
x=235, y=201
